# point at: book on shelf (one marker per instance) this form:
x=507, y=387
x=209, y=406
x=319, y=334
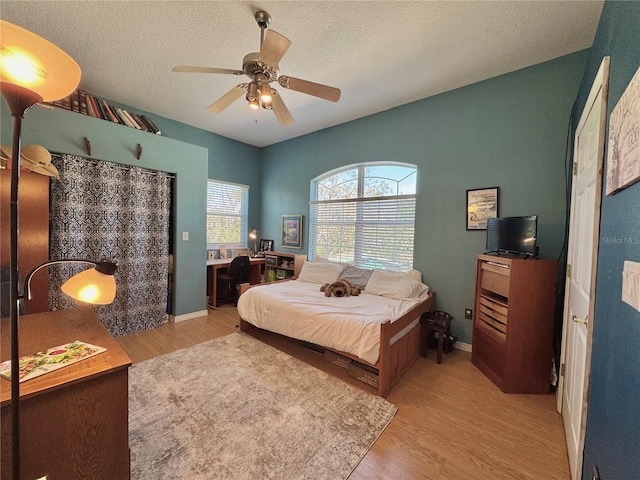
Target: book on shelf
x=52, y=359
x=75, y=101
x=125, y=118
x=151, y=125
x=100, y=108
x=90, y=110
x=136, y=118
x=82, y=100
x=110, y=113
x=132, y=118
x=62, y=103
x=116, y=112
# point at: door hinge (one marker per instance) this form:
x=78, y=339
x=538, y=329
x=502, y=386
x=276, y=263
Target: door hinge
x=563, y=368
x=569, y=270
x=575, y=168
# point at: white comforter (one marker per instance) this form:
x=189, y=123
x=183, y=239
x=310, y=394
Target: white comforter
x=300, y=310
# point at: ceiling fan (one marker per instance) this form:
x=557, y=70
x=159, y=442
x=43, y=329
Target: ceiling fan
x=262, y=68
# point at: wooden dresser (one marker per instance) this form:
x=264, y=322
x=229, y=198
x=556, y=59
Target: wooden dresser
x=513, y=324
x=74, y=421
x=33, y=247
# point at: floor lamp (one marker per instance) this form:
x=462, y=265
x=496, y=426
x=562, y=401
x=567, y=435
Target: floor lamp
x=33, y=70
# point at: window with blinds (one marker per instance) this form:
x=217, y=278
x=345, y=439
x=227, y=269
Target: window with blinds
x=227, y=211
x=365, y=215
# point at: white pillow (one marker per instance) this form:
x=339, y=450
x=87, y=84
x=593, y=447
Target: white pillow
x=396, y=285
x=415, y=274
x=319, y=272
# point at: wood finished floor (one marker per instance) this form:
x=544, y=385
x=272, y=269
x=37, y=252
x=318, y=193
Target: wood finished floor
x=452, y=422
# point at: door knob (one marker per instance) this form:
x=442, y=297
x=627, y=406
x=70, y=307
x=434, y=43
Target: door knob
x=580, y=319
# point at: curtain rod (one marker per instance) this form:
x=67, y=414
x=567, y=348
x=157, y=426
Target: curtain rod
x=118, y=165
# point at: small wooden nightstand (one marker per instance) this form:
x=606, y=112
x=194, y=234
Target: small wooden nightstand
x=437, y=321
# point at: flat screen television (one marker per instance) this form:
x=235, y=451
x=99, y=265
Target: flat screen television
x=516, y=235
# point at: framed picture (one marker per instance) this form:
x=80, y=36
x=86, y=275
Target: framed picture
x=266, y=245
x=623, y=160
x=482, y=204
x=292, y=231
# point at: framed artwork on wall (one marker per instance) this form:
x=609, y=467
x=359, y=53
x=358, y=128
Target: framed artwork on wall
x=482, y=204
x=292, y=231
x=623, y=160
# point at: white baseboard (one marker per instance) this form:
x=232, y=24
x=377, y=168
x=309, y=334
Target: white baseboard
x=465, y=347
x=187, y=316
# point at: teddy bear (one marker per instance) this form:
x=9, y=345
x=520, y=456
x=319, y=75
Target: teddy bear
x=340, y=288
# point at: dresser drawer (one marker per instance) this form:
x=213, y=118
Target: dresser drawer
x=496, y=282
x=489, y=351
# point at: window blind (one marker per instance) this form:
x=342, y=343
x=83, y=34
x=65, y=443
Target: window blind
x=227, y=212
x=368, y=232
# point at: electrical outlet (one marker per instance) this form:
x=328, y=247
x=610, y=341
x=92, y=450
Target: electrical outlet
x=468, y=313
x=594, y=473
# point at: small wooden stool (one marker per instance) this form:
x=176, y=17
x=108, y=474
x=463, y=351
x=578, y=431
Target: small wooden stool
x=430, y=322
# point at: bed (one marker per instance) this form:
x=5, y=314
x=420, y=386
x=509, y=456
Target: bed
x=379, y=328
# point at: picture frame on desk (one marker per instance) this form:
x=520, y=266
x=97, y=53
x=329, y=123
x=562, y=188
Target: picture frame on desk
x=266, y=245
x=292, y=231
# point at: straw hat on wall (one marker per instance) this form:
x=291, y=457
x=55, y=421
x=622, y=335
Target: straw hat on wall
x=35, y=158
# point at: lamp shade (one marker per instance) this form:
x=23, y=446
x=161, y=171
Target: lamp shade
x=34, y=63
x=91, y=286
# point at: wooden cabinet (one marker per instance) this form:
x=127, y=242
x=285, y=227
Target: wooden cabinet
x=73, y=421
x=33, y=247
x=283, y=265
x=513, y=325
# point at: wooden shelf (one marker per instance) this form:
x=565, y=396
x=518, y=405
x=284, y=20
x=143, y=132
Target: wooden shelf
x=282, y=263
x=86, y=104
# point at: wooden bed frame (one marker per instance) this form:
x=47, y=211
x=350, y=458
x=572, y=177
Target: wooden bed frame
x=394, y=360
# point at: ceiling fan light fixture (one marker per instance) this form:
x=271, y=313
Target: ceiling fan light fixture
x=253, y=104
x=267, y=105
x=252, y=92
x=265, y=93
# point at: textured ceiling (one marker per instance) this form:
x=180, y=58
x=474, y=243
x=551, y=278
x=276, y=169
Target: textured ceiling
x=380, y=54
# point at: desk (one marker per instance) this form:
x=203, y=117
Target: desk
x=214, y=266
x=74, y=421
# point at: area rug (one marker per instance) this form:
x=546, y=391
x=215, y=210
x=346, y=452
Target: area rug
x=235, y=408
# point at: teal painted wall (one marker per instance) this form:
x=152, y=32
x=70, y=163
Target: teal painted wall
x=184, y=155
x=509, y=131
x=613, y=420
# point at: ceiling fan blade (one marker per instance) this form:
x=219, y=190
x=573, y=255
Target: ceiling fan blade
x=273, y=48
x=280, y=110
x=310, y=88
x=207, y=70
x=227, y=99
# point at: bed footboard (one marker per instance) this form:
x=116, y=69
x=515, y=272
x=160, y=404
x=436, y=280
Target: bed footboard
x=395, y=360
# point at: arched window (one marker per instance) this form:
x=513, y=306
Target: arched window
x=365, y=215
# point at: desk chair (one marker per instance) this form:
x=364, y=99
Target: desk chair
x=237, y=273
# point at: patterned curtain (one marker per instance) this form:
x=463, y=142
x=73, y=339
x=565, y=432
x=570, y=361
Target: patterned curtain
x=105, y=210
